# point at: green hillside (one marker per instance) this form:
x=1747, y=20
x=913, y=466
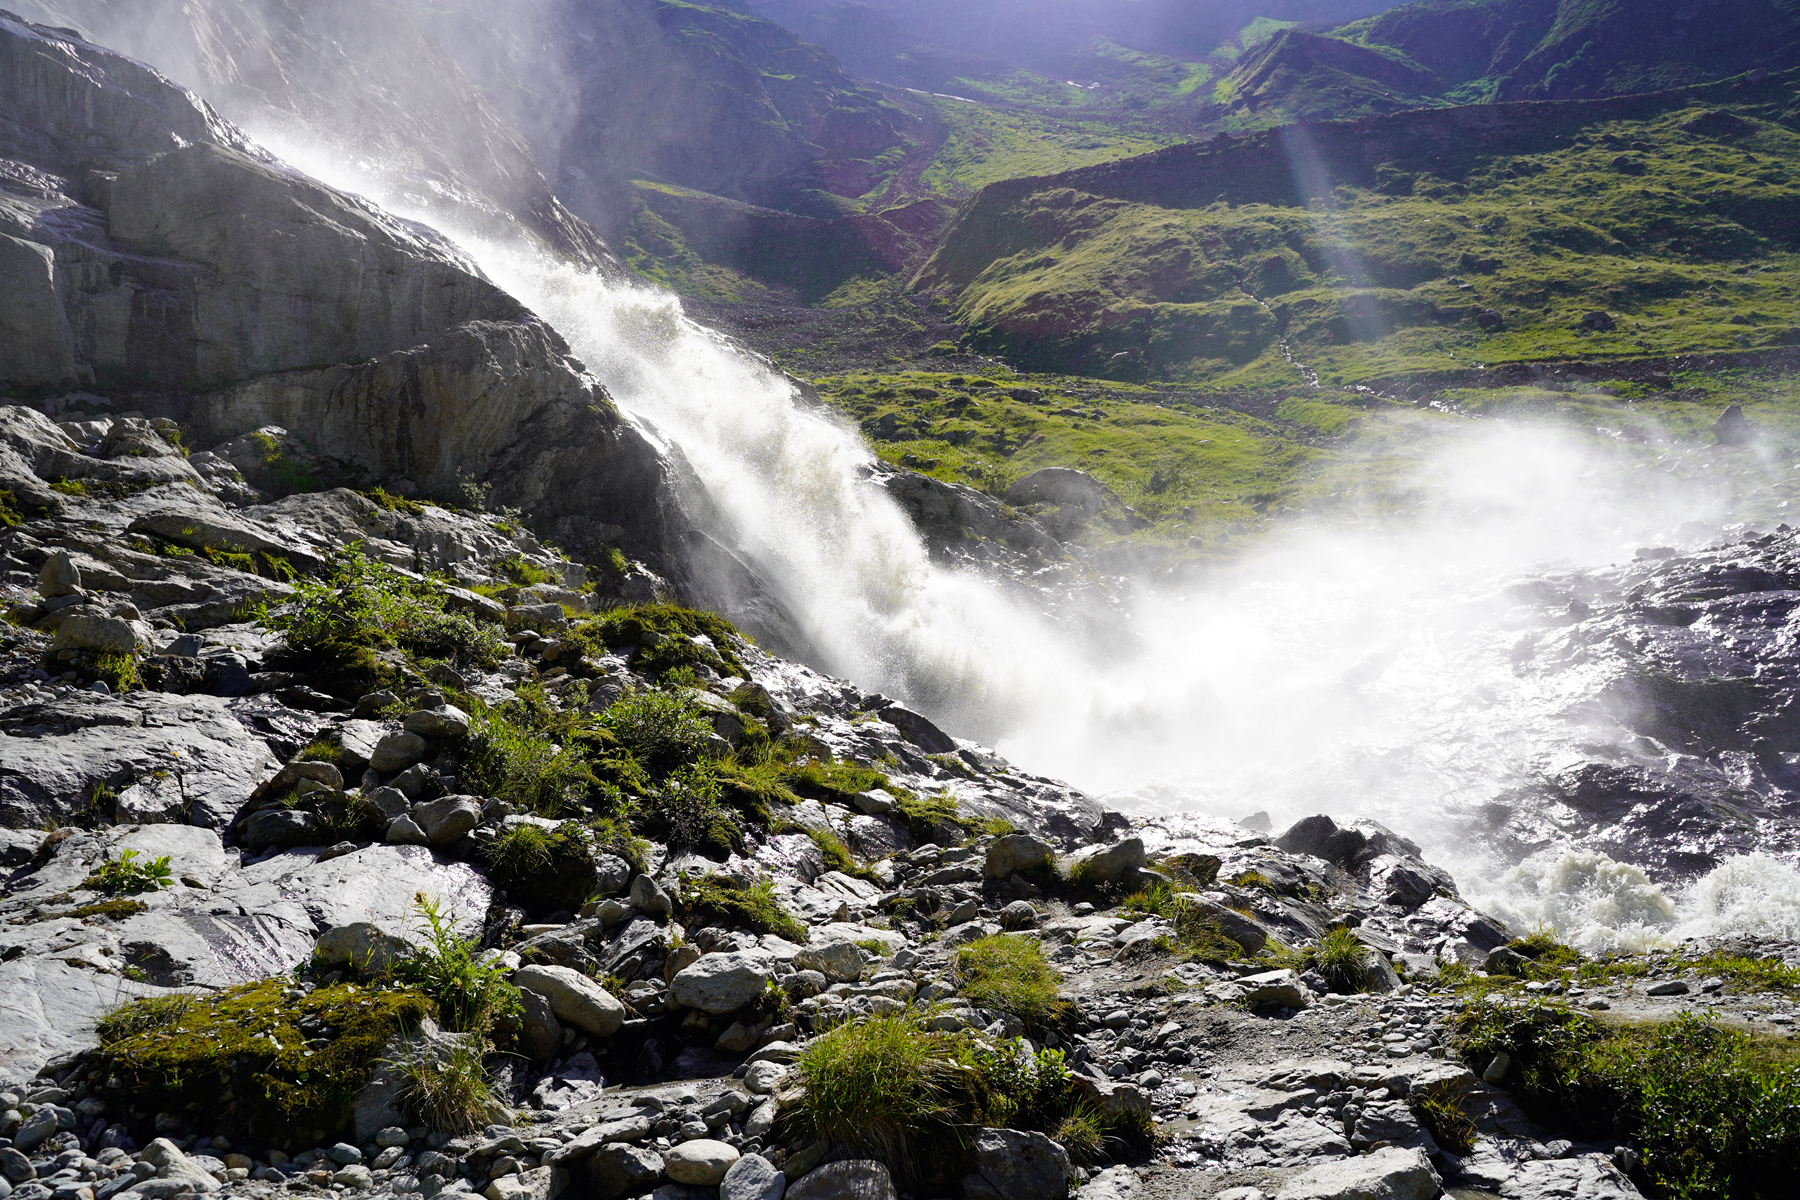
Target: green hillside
x=1419, y=242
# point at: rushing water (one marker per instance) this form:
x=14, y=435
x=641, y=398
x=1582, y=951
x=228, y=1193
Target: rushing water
x=1356, y=666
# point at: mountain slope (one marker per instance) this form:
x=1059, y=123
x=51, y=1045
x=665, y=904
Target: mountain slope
x=1673, y=216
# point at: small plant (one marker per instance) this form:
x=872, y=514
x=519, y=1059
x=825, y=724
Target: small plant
x=118, y=671
x=662, y=729
x=1008, y=972
x=448, y=1086
x=753, y=906
x=1081, y=1134
x=1343, y=960
x=880, y=1088
x=544, y=870
x=837, y=856
x=470, y=995
x=523, y=572
x=685, y=810
x=1254, y=881
x=393, y=503
x=125, y=874
x=148, y=1015
x=1440, y=1111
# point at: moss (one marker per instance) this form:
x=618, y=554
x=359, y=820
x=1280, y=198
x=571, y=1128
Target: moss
x=523, y=572
x=1196, y=936
x=837, y=855
x=752, y=906
x=10, y=513
x=664, y=634
x=544, y=870
x=118, y=671
x=112, y=908
x=281, y=1071
x=393, y=503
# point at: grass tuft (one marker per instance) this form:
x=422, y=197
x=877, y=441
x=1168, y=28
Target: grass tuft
x=1009, y=972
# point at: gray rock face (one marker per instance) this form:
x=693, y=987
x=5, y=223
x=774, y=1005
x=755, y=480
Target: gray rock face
x=720, y=983
x=576, y=999
x=853, y=1179
x=1011, y=1164
x=1383, y=1175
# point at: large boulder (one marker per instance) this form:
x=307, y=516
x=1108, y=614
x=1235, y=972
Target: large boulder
x=1099, y=865
x=576, y=999
x=361, y=946
x=720, y=983
x=702, y=1162
x=852, y=1179
x=1015, y=852
x=621, y=1169
x=752, y=1177
x=446, y=821
x=1387, y=1174
x=1012, y=1164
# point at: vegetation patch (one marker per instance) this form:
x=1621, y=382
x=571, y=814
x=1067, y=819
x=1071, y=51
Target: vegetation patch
x=753, y=906
x=1009, y=972
x=469, y=996
x=1715, y=1112
x=263, y=1059
x=664, y=638
x=1196, y=935
x=125, y=874
x=544, y=870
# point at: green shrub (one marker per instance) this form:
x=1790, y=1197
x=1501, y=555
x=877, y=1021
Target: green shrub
x=544, y=870
x=1716, y=1112
x=1009, y=972
x=290, y=1064
x=1342, y=959
x=449, y=1088
x=336, y=626
x=882, y=1088
x=684, y=811
x=753, y=906
x=528, y=754
x=470, y=995
x=1081, y=1134
x=126, y=874
x=662, y=729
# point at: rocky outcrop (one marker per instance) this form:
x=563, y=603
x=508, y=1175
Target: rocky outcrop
x=162, y=251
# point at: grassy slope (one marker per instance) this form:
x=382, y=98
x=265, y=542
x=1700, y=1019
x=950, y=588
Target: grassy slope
x=1208, y=478
x=1190, y=264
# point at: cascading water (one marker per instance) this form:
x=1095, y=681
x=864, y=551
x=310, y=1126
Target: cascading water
x=1357, y=667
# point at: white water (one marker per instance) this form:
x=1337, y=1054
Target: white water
x=1358, y=668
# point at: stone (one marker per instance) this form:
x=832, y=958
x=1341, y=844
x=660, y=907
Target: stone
x=699, y=1163
x=720, y=983
x=404, y=831
x=631, y=1129
x=540, y=1036
x=390, y=1137
x=535, y=1184
x=391, y=801
x=1121, y=1183
x=396, y=752
x=38, y=1126
x=1393, y=1122
x=1674, y=987
x=852, y=1179
x=839, y=962
x=446, y=821
x=764, y=1077
x=59, y=576
x=1584, y=1177
x=1276, y=987
x=576, y=999
x=1011, y=1164
x=278, y=827
x=1015, y=852
x=1020, y=914
x=1387, y=1174
x=873, y=803
x=103, y=635
x=649, y=899
x=362, y=947
x=1107, y=864
x=620, y=1169
x=15, y=1166
x=752, y=1177
x=447, y=721
x=172, y=1164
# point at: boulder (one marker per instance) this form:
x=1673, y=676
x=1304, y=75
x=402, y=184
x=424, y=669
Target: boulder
x=852, y=1179
x=1107, y=864
x=171, y=1163
x=1011, y=1164
x=535, y=1184
x=720, y=983
x=1020, y=914
x=59, y=576
x=446, y=821
x=1061, y=485
x=396, y=752
x=839, y=962
x=539, y=1035
x=103, y=635
x=1386, y=1174
x=1015, y=852
x=702, y=1162
x=649, y=899
x=445, y=721
x=752, y=1177
x=1120, y=1183
x=278, y=827
x=404, y=831
x=620, y=1169
x=1276, y=987
x=576, y=999
x=361, y=946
